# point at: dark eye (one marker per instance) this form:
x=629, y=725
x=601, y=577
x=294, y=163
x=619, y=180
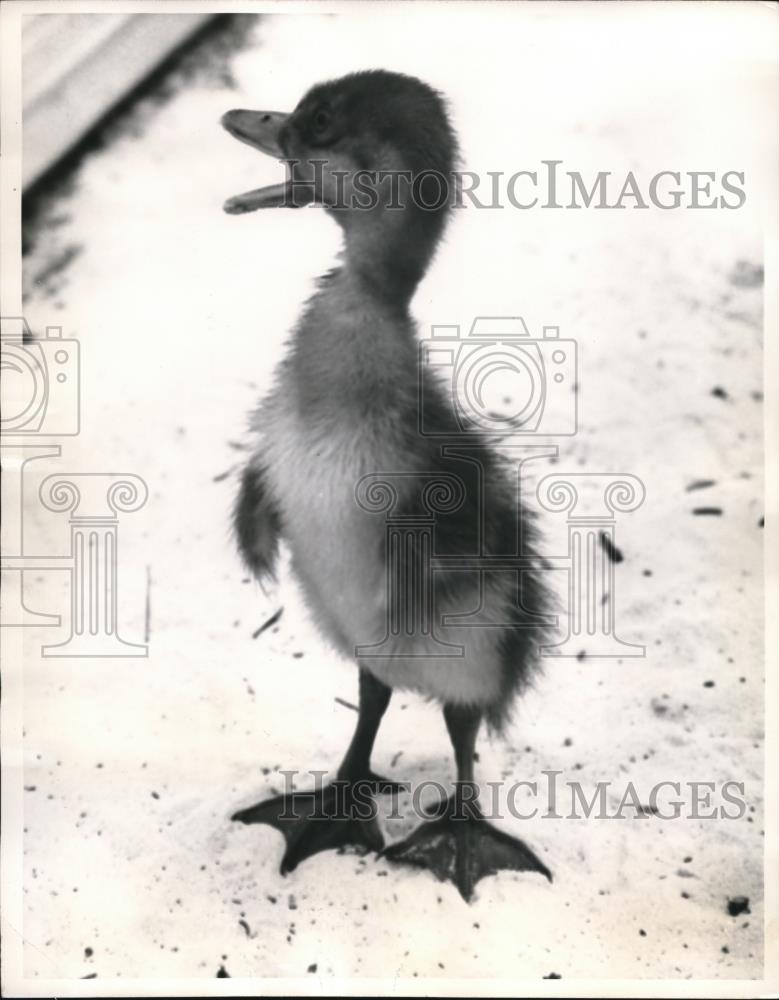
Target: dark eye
x=321, y=121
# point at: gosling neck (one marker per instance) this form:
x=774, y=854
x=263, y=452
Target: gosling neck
x=388, y=250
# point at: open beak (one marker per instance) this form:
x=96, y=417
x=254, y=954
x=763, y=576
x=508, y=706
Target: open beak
x=261, y=129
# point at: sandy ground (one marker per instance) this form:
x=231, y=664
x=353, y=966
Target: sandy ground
x=133, y=766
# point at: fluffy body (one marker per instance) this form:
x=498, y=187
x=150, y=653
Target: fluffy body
x=346, y=404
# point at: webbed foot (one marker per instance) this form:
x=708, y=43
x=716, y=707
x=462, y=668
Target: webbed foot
x=339, y=814
x=462, y=847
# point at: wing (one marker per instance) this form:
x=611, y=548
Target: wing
x=257, y=524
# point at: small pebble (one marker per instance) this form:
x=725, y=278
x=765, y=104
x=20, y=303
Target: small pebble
x=738, y=905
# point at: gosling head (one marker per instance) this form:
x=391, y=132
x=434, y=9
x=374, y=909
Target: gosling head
x=377, y=151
